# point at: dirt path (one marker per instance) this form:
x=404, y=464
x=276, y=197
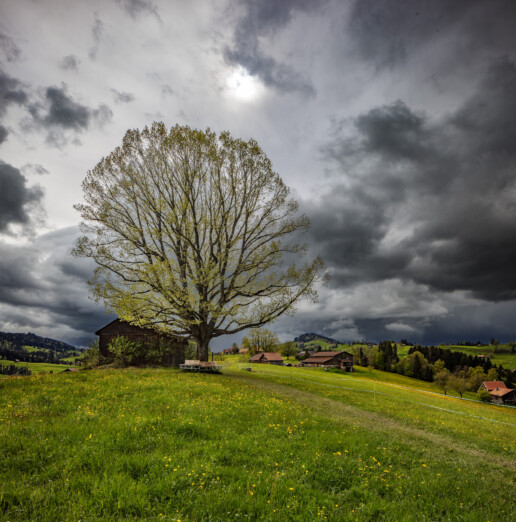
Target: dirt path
x=353, y=416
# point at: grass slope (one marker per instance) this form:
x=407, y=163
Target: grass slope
x=38, y=367
x=279, y=444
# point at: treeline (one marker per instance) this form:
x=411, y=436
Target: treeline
x=18, y=340
x=12, y=369
x=39, y=356
x=450, y=369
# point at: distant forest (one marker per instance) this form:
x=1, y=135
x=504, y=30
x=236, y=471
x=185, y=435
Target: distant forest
x=43, y=349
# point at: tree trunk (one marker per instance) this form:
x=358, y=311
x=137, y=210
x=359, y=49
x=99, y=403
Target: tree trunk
x=203, y=349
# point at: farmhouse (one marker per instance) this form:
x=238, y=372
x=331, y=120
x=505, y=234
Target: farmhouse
x=267, y=358
x=149, y=338
x=499, y=392
x=342, y=360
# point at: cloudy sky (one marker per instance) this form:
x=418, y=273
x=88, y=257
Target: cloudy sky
x=393, y=122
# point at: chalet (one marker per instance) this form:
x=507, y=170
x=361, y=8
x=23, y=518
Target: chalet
x=148, y=337
x=499, y=392
x=342, y=360
x=243, y=351
x=267, y=358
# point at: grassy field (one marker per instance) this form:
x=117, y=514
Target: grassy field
x=274, y=444
x=38, y=367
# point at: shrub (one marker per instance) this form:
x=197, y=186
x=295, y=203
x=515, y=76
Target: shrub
x=90, y=358
x=126, y=352
x=483, y=395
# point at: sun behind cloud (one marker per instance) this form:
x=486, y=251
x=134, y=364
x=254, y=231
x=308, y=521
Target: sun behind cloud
x=242, y=86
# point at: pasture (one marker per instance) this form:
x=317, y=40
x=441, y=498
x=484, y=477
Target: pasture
x=274, y=444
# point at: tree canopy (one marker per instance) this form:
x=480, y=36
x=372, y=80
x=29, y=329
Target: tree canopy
x=190, y=233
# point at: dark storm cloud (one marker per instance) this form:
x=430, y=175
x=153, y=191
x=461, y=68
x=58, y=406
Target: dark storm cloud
x=122, y=97
x=3, y=134
x=429, y=201
x=59, y=112
x=12, y=91
x=16, y=198
x=44, y=289
x=9, y=48
x=264, y=18
x=387, y=32
x=70, y=63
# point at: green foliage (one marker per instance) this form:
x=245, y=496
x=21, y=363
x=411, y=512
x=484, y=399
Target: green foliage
x=289, y=350
x=442, y=378
x=260, y=340
x=458, y=383
x=90, y=358
x=483, y=395
x=12, y=369
x=200, y=250
x=126, y=352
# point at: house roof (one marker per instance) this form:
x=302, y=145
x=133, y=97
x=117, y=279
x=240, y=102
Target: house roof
x=256, y=357
x=500, y=392
x=318, y=360
x=493, y=385
x=272, y=356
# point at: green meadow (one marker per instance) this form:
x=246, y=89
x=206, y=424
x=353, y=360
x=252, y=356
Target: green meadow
x=270, y=444
x=37, y=367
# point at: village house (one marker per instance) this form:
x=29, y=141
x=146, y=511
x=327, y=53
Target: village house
x=499, y=392
x=267, y=358
x=341, y=360
x=148, y=337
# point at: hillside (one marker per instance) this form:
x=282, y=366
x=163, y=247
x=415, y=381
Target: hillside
x=275, y=444
x=308, y=337
x=18, y=340
x=32, y=348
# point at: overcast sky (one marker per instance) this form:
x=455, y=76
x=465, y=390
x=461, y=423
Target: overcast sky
x=393, y=122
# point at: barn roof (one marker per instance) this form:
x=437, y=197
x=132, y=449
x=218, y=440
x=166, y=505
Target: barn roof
x=272, y=356
x=329, y=354
x=256, y=357
x=113, y=328
x=318, y=360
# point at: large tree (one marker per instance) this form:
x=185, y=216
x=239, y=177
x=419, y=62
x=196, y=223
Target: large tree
x=190, y=233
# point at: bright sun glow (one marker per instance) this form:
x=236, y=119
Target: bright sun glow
x=243, y=86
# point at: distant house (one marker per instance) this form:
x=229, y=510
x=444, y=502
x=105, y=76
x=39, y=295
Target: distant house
x=499, y=392
x=267, y=358
x=148, y=337
x=342, y=360
x=227, y=351
x=243, y=351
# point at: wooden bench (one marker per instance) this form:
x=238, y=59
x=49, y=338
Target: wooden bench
x=200, y=366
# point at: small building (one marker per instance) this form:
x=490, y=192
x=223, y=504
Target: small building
x=499, y=392
x=148, y=337
x=243, y=351
x=341, y=360
x=267, y=358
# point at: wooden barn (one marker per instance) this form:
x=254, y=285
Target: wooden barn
x=499, y=392
x=267, y=358
x=148, y=337
x=342, y=360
